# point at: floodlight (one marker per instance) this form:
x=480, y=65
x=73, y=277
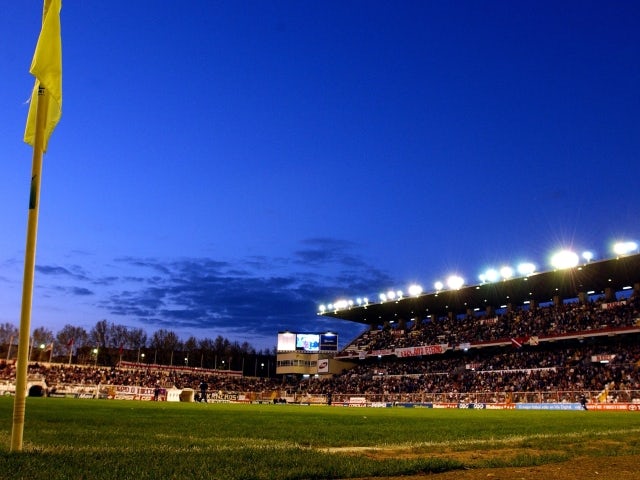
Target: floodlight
x=506, y=272
x=438, y=286
x=322, y=308
x=587, y=255
x=454, y=282
x=391, y=294
x=341, y=304
x=623, y=248
x=526, y=268
x=383, y=297
x=491, y=275
x=399, y=294
x=415, y=290
x=564, y=259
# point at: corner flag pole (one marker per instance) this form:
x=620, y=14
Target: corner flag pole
x=22, y=364
x=44, y=113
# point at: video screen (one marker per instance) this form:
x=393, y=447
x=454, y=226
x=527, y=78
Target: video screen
x=329, y=342
x=286, y=342
x=308, y=342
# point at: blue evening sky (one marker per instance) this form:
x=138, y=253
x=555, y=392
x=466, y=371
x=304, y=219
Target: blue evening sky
x=224, y=167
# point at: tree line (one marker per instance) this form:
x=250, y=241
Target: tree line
x=108, y=343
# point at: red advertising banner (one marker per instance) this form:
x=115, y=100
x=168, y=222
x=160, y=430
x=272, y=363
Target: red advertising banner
x=422, y=350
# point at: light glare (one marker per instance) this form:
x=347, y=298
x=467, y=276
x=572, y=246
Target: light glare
x=492, y=275
x=506, y=272
x=526, y=268
x=622, y=248
x=564, y=259
x=454, y=282
x=415, y=290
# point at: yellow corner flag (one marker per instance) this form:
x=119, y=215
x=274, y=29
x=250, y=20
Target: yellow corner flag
x=46, y=66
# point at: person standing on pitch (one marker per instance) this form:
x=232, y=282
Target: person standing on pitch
x=203, y=391
x=583, y=401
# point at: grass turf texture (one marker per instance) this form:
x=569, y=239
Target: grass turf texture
x=100, y=439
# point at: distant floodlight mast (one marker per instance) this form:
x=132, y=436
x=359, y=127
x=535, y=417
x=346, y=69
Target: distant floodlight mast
x=624, y=248
x=491, y=275
x=526, y=268
x=383, y=297
x=415, y=290
x=455, y=282
x=506, y=272
x=564, y=259
x=587, y=255
x=438, y=286
x=341, y=304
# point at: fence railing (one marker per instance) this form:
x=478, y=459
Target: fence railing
x=556, y=396
x=269, y=395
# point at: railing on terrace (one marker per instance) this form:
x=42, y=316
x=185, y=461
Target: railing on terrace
x=554, y=396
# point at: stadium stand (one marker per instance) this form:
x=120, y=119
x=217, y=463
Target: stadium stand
x=552, y=353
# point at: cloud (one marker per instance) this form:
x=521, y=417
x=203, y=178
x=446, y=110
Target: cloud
x=75, y=272
x=80, y=291
x=248, y=299
x=49, y=270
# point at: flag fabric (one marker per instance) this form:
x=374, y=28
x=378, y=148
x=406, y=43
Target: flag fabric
x=519, y=341
x=46, y=66
x=70, y=342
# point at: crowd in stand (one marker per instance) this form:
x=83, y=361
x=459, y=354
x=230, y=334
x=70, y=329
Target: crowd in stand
x=561, y=368
x=57, y=376
x=566, y=318
x=563, y=365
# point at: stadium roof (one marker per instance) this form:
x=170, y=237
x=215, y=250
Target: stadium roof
x=591, y=278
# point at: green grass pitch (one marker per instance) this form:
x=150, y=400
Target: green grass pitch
x=109, y=439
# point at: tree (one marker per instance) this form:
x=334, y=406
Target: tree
x=191, y=350
x=70, y=336
x=8, y=337
x=137, y=338
x=165, y=342
x=8, y=333
x=118, y=336
x=247, y=349
x=42, y=340
x=99, y=334
x=221, y=346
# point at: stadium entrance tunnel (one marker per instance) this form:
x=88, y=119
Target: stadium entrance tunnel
x=36, y=391
x=187, y=395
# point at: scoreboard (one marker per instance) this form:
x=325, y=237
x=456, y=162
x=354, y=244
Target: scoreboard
x=307, y=342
